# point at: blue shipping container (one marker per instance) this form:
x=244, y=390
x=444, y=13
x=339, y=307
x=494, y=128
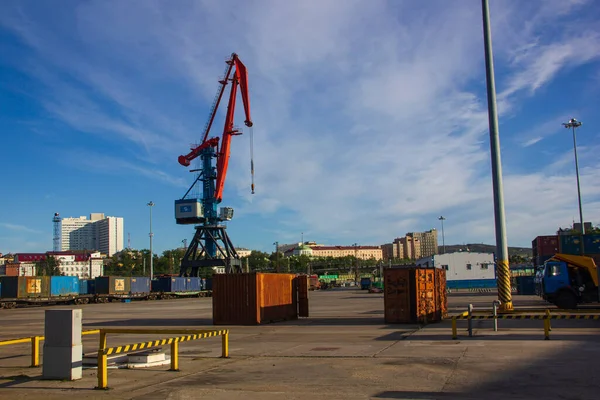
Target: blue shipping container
x=83, y=286
x=170, y=285
x=64, y=286
x=570, y=244
x=140, y=284
x=193, y=284
x=591, y=244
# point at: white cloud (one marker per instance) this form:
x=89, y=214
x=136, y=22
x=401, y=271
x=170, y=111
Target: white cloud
x=370, y=117
x=532, y=141
x=18, y=228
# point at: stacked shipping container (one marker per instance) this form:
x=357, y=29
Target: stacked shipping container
x=543, y=248
x=414, y=295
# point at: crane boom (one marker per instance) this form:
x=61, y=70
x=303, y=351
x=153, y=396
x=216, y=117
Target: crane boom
x=240, y=78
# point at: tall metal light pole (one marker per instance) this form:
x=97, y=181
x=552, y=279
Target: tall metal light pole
x=355, y=262
x=502, y=269
x=151, y=204
x=573, y=123
x=276, y=244
x=441, y=218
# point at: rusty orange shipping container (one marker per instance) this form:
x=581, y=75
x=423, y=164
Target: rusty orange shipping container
x=414, y=295
x=254, y=298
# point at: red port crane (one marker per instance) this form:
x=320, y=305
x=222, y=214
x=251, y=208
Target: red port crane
x=239, y=78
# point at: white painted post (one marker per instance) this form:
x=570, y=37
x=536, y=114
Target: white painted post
x=63, y=351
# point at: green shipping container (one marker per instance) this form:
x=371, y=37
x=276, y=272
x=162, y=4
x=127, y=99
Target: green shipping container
x=22, y=287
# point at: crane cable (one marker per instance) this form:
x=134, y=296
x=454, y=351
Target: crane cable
x=252, y=156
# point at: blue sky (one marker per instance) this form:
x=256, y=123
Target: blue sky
x=370, y=117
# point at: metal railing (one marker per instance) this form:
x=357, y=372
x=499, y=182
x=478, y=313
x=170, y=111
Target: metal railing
x=188, y=335
x=35, y=344
x=533, y=313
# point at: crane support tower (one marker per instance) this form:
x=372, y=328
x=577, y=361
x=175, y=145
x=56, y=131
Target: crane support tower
x=211, y=246
x=56, y=237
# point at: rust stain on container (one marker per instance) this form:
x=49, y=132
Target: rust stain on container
x=254, y=298
x=414, y=295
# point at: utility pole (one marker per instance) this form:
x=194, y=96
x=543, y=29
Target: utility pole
x=573, y=123
x=502, y=268
x=151, y=204
x=355, y=262
x=276, y=244
x=441, y=218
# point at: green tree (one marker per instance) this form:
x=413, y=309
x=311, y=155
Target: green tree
x=259, y=261
x=48, y=267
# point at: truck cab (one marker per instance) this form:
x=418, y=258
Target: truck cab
x=567, y=281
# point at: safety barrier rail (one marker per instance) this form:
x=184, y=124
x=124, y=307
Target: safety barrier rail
x=35, y=344
x=104, y=351
x=525, y=314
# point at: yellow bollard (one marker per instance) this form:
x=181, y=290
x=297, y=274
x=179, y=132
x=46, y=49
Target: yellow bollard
x=225, y=345
x=546, y=328
x=548, y=316
x=35, y=351
x=102, y=363
x=175, y=355
x=102, y=370
x=454, y=334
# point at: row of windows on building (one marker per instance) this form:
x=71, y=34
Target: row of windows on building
x=469, y=266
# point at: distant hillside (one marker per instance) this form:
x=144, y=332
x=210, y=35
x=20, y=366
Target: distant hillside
x=486, y=248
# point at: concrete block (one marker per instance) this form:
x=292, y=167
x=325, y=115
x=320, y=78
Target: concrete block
x=62, y=362
x=147, y=357
x=63, y=351
x=63, y=328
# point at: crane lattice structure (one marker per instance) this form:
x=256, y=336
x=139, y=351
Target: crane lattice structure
x=211, y=246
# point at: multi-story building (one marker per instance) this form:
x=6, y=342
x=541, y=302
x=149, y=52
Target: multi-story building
x=85, y=265
x=387, y=251
x=413, y=246
x=360, y=252
x=427, y=243
x=104, y=234
x=243, y=252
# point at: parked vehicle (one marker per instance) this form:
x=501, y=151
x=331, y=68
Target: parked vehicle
x=568, y=280
x=365, y=283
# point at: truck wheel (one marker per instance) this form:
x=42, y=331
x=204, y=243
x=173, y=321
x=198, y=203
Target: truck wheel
x=566, y=300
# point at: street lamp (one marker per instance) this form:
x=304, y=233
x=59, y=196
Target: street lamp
x=355, y=262
x=441, y=218
x=151, y=204
x=276, y=244
x=573, y=123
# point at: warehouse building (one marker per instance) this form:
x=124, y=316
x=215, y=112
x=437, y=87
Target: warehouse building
x=464, y=270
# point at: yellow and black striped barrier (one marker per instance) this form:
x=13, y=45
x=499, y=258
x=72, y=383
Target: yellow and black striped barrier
x=532, y=314
x=188, y=335
x=35, y=344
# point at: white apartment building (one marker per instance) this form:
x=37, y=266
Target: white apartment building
x=242, y=252
x=86, y=267
x=104, y=234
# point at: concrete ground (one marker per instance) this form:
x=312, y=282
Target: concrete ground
x=343, y=351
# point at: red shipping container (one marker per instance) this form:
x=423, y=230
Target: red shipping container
x=545, y=246
x=12, y=269
x=254, y=298
x=414, y=295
